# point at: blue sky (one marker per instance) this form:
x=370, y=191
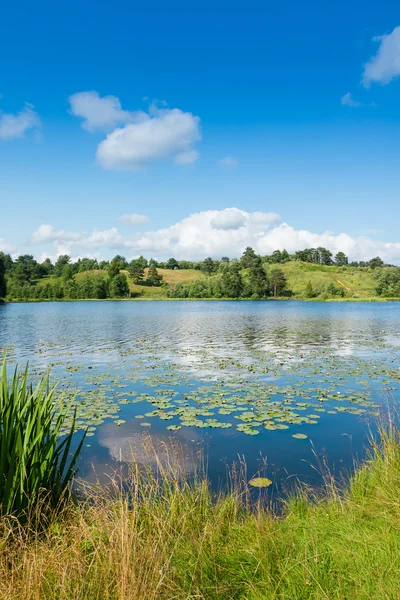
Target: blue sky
x=175, y=112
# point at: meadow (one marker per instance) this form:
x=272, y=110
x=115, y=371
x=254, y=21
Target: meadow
x=172, y=538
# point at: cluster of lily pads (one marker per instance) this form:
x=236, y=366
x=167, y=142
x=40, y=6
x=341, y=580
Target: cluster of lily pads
x=241, y=387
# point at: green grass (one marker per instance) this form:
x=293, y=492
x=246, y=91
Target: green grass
x=174, y=540
x=354, y=281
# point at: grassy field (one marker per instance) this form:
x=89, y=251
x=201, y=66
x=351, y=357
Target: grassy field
x=174, y=540
x=170, y=277
x=354, y=281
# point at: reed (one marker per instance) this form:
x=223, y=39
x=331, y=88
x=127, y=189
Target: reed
x=34, y=463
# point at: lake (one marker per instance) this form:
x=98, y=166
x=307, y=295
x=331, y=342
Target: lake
x=230, y=379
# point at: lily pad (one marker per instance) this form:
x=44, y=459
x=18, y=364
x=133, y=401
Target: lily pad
x=260, y=482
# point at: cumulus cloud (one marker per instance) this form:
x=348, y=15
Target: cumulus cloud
x=16, y=125
x=161, y=134
x=96, y=112
x=65, y=242
x=133, y=219
x=347, y=100
x=385, y=65
x=135, y=139
x=228, y=232
x=213, y=233
x=47, y=233
x=228, y=161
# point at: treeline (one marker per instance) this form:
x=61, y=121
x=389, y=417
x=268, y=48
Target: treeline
x=247, y=277
x=251, y=276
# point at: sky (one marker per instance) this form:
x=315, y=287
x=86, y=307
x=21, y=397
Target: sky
x=197, y=129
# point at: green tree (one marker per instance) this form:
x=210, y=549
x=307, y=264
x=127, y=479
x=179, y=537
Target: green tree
x=136, y=270
x=285, y=255
x=341, y=259
x=3, y=289
x=258, y=281
x=46, y=268
x=8, y=262
x=325, y=256
x=115, y=266
x=249, y=257
x=60, y=263
x=119, y=287
x=376, y=262
x=278, y=281
x=153, y=276
x=172, y=263
x=25, y=269
x=231, y=281
x=207, y=266
x=67, y=272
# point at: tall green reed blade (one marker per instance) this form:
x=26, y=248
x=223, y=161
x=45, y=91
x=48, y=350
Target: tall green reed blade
x=34, y=464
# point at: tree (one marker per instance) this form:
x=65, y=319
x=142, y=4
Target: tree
x=285, y=255
x=278, y=281
x=231, y=281
x=172, y=263
x=225, y=259
x=207, y=266
x=115, y=266
x=3, y=289
x=8, y=262
x=324, y=256
x=46, y=267
x=248, y=258
x=258, y=279
x=153, y=276
x=136, y=270
x=341, y=259
x=25, y=269
x=67, y=273
x=376, y=262
x=119, y=287
x=276, y=256
x=61, y=261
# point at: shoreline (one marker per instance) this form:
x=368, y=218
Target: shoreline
x=164, y=299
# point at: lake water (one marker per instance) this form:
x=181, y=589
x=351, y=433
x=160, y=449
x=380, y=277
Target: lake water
x=234, y=379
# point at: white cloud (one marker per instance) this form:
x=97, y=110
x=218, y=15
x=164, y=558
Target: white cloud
x=213, y=233
x=133, y=219
x=347, y=100
x=4, y=246
x=160, y=134
x=97, y=112
x=137, y=138
x=228, y=161
x=67, y=241
x=15, y=126
x=201, y=235
x=47, y=233
x=385, y=65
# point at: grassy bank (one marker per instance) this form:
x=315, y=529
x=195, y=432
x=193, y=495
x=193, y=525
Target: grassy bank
x=175, y=540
